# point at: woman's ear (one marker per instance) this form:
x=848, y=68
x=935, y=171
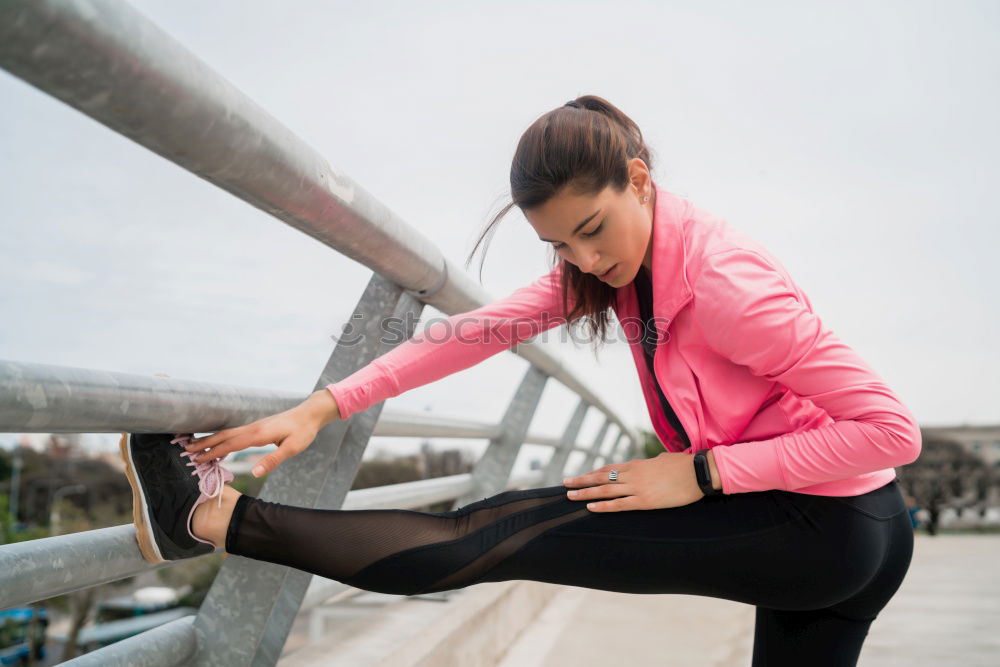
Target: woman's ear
x=640, y=177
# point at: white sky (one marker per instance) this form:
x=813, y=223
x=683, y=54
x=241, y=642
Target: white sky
x=857, y=141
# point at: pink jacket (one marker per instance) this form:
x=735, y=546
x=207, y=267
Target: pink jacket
x=744, y=361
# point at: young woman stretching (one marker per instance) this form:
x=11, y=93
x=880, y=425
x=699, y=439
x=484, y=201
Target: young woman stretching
x=795, y=509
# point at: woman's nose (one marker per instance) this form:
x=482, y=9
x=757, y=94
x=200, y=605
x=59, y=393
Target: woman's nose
x=592, y=264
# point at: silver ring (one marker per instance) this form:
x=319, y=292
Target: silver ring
x=613, y=476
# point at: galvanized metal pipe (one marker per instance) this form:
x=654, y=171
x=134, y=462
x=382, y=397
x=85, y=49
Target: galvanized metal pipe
x=168, y=645
x=107, y=60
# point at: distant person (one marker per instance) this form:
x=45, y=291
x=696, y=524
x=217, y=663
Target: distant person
x=913, y=507
x=777, y=486
x=934, y=511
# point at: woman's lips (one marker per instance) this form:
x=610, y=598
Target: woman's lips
x=606, y=274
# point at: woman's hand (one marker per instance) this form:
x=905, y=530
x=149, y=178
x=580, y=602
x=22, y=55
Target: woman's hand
x=292, y=431
x=666, y=480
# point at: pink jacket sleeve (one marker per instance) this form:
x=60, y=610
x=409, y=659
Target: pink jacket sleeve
x=456, y=343
x=750, y=314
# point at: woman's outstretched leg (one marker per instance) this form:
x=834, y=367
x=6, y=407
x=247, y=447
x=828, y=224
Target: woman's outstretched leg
x=818, y=568
x=182, y=508
x=775, y=549
x=397, y=551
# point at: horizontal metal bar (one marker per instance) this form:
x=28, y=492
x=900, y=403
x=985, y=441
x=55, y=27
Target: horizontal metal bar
x=408, y=494
x=45, y=398
x=167, y=645
x=424, y=491
x=110, y=62
x=404, y=424
x=543, y=440
x=43, y=568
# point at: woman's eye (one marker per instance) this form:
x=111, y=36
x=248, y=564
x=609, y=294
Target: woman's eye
x=593, y=233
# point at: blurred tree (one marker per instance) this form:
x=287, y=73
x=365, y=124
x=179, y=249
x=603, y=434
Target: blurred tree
x=651, y=445
x=946, y=475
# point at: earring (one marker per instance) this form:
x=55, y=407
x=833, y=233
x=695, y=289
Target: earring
x=645, y=198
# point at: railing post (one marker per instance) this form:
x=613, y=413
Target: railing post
x=620, y=451
x=557, y=464
x=246, y=617
x=493, y=468
x=615, y=451
x=633, y=450
x=588, y=462
x=595, y=447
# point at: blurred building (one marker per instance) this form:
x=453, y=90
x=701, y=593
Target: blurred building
x=981, y=441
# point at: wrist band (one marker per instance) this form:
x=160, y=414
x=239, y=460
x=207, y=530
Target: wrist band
x=703, y=473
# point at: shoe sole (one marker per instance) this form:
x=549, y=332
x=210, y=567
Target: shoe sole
x=140, y=513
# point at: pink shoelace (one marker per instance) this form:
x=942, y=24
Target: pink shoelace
x=212, y=478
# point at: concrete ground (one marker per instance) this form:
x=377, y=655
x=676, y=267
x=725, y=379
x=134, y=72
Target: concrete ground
x=945, y=613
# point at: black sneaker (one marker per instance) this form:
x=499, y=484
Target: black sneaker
x=165, y=492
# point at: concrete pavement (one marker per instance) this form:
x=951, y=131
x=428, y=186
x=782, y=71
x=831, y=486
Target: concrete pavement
x=946, y=612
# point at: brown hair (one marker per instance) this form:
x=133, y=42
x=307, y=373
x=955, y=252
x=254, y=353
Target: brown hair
x=584, y=145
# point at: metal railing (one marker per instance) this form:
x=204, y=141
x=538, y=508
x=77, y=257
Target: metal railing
x=111, y=63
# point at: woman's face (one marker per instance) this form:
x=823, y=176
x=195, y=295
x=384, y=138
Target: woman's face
x=596, y=233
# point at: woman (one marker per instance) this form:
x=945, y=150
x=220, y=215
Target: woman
x=795, y=508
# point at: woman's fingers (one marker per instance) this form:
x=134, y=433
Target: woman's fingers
x=621, y=504
x=292, y=430
x=595, y=477
x=208, y=441
x=228, y=440
x=292, y=445
x=211, y=443
x=222, y=450
x=251, y=435
x=612, y=490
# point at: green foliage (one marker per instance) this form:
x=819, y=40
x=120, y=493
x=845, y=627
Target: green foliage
x=42, y=474
x=7, y=533
x=651, y=445
x=10, y=632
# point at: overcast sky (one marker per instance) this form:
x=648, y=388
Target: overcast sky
x=857, y=141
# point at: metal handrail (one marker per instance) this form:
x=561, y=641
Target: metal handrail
x=111, y=63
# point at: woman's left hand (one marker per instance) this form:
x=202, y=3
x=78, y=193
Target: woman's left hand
x=666, y=480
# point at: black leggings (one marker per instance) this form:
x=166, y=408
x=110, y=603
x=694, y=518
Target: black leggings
x=818, y=569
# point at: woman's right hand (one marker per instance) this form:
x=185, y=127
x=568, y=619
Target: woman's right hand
x=292, y=431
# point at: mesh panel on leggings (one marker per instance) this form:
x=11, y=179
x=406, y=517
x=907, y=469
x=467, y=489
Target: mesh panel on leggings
x=395, y=550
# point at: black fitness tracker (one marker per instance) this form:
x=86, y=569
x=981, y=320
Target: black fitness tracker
x=703, y=473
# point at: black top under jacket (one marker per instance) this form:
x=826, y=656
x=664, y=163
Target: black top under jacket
x=644, y=291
